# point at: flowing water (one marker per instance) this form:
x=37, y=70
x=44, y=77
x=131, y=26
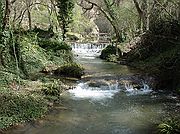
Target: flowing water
x=109, y=99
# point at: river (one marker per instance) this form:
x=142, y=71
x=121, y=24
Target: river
x=109, y=99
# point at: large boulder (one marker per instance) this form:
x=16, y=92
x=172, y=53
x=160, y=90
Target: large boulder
x=109, y=51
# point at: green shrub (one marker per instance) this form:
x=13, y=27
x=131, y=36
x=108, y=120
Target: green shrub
x=53, y=45
x=112, y=58
x=109, y=50
x=16, y=108
x=41, y=33
x=171, y=126
x=70, y=70
x=52, y=89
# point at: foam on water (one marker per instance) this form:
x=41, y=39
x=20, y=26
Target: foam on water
x=130, y=90
x=87, y=49
x=83, y=91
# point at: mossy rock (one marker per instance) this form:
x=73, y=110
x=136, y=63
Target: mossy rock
x=108, y=52
x=70, y=70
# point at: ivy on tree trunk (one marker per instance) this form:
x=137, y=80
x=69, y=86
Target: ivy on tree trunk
x=65, y=15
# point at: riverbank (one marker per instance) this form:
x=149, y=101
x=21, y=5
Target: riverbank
x=30, y=76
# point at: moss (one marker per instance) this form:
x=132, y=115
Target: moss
x=109, y=52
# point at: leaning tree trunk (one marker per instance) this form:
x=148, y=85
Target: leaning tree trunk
x=142, y=15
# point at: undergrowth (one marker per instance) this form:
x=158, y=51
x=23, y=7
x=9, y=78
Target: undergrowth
x=22, y=98
x=17, y=107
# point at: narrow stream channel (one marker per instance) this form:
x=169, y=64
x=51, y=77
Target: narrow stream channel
x=105, y=101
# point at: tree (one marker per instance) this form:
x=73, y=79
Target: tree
x=1, y=17
x=65, y=15
x=1, y=29
x=108, y=9
x=6, y=14
x=28, y=5
x=143, y=13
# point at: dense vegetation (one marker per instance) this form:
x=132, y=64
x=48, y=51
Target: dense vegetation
x=27, y=57
x=34, y=44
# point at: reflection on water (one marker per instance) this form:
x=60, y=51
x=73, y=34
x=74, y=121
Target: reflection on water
x=104, y=102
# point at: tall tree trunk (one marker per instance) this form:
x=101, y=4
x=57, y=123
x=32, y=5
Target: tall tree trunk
x=28, y=3
x=144, y=8
x=118, y=34
x=6, y=14
x=114, y=22
x=142, y=14
x=29, y=18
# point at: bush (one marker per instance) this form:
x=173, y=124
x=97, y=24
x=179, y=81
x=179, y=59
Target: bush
x=17, y=108
x=112, y=58
x=43, y=33
x=53, y=45
x=70, y=70
x=170, y=126
x=109, y=50
x=52, y=89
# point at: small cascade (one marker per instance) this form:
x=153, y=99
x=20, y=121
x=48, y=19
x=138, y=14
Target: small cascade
x=130, y=90
x=86, y=91
x=88, y=49
x=102, y=89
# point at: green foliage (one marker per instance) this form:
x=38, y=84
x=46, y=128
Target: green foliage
x=7, y=78
x=33, y=57
x=165, y=27
x=37, y=53
x=52, y=89
x=171, y=126
x=157, y=52
x=65, y=15
x=70, y=70
x=112, y=58
x=53, y=45
x=109, y=52
x=17, y=108
x=41, y=33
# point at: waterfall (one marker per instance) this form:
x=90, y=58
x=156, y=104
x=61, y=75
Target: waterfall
x=88, y=49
